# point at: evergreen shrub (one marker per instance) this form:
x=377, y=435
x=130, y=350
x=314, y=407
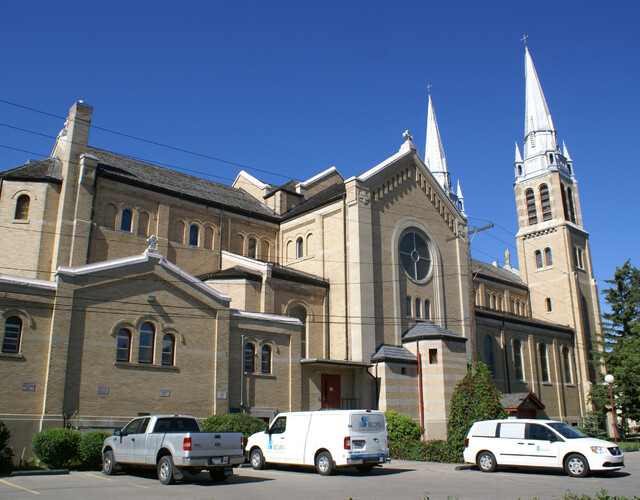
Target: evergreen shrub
x=402, y=428
x=233, y=422
x=90, y=449
x=6, y=453
x=56, y=448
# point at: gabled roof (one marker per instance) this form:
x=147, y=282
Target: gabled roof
x=128, y=170
x=424, y=330
x=394, y=354
x=324, y=197
x=499, y=274
x=512, y=401
x=48, y=169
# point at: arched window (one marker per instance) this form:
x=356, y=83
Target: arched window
x=147, y=339
x=125, y=222
x=531, y=206
x=12, y=334
x=538, y=255
x=208, y=238
x=488, y=354
x=565, y=207
x=123, y=347
x=569, y=168
x=251, y=250
x=265, y=359
x=407, y=313
x=547, y=303
x=177, y=233
x=308, y=245
x=550, y=158
x=427, y=309
x=249, y=354
x=548, y=259
x=572, y=211
x=193, y=235
x=264, y=251
x=301, y=313
x=415, y=256
x=109, y=219
x=417, y=307
x=299, y=248
x=143, y=224
x=168, y=349
x=545, y=203
x=519, y=170
x=517, y=359
x=22, y=207
x=579, y=258
x=239, y=249
x=544, y=366
x=566, y=359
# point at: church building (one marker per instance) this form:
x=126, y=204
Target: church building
x=129, y=288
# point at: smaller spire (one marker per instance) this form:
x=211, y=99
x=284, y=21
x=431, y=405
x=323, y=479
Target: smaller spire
x=434, y=152
x=565, y=152
x=518, y=155
x=459, y=192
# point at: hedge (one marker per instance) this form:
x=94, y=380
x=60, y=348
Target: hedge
x=56, y=448
x=233, y=422
x=6, y=453
x=90, y=449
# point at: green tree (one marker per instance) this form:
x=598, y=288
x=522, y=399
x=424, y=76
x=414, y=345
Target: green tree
x=619, y=346
x=402, y=428
x=6, y=453
x=475, y=398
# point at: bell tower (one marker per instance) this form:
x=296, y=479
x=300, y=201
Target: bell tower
x=553, y=246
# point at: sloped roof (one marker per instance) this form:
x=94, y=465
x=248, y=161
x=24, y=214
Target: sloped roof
x=277, y=272
x=48, y=169
x=511, y=401
x=395, y=354
x=427, y=330
x=324, y=197
x=494, y=273
x=121, y=168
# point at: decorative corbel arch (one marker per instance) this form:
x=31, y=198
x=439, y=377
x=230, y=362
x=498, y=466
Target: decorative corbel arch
x=22, y=313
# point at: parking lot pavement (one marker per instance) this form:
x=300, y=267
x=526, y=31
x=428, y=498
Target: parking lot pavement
x=398, y=480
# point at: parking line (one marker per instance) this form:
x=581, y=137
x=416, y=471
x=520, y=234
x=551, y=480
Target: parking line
x=98, y=476
x=19, y=487
x=138, y=485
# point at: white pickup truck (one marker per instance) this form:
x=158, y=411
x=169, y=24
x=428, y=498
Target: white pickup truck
x=173, y=444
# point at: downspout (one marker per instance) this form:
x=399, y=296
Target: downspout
x=506, y=360
x=420, y=399
x=220, y=244
x=93, y=203
x=375, y=385
x=346, y=278
x=242, y=373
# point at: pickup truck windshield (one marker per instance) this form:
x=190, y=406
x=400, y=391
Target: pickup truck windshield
x=175, y=424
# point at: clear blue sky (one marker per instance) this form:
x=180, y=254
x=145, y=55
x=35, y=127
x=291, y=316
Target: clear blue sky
x=291, y=88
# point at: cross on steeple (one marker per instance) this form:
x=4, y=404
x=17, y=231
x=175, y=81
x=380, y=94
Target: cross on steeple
x=524, y=39
x=407, y=135
x=429, y=88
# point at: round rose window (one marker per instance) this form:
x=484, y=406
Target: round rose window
x=414, y=255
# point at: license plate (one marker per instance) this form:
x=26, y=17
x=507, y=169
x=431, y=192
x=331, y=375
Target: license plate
x=218, y=460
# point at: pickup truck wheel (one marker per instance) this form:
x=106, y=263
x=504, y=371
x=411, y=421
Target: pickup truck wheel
x=576, y=465
x=257, y=459
x=217, y=474
x=108, y=463
x=165, y=470
x=324, y=463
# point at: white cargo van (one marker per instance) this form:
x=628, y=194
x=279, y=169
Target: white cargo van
x=325, y=439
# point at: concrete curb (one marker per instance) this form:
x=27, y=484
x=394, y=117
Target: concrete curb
x=36, y=472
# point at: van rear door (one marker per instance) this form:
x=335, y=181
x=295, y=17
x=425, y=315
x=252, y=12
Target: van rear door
x=368, y=435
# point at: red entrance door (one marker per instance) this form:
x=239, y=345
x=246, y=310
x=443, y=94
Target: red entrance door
x=330, y=391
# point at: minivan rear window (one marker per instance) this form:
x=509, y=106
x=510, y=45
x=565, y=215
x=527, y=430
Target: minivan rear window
x=512, y=430
x=367, y=422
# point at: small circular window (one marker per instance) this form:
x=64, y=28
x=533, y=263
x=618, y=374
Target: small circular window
x=414, y=255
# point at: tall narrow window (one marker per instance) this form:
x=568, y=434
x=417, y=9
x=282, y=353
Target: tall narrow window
x=538, y=255
x=517, y=359
x=143, y=224
x=548, y=259
x=147, y=338
x=547, y=303
x=572, y=211
x=544, y=366
x=265, y=359
x=208, y=238
x=177, y=233
x=264, y=252
x=123, y=349
x=251, y=250
x=249, y=354
x=301, y=313
x=125, y=221
x=565, y=207
x=168, y=349
x=545, y=203
x=299, y=248
x=531, y=206
x=566, y=359
x=22, y=207
x=193, y=235
x=579, y=260
x=427, y=309
x=488, y=354
x=12, y=334
x=407, y=313
x=109, y=219
x=418, y=308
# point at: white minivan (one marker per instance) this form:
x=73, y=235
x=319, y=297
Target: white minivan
x=538, y=443
x=325, y=439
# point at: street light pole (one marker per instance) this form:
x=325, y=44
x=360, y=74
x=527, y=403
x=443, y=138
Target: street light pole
x=609, y=381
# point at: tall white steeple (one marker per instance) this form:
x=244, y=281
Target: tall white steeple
x=434, y=152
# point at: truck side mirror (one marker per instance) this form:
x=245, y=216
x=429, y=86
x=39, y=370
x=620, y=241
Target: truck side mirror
x=117, y=433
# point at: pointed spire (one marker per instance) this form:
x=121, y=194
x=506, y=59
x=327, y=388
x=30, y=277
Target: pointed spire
x=538, y=118
x=460, y=198
x=565, y=152
x=518, y=156
x=434, y=152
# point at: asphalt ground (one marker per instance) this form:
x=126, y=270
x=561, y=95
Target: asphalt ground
x=397, y=480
